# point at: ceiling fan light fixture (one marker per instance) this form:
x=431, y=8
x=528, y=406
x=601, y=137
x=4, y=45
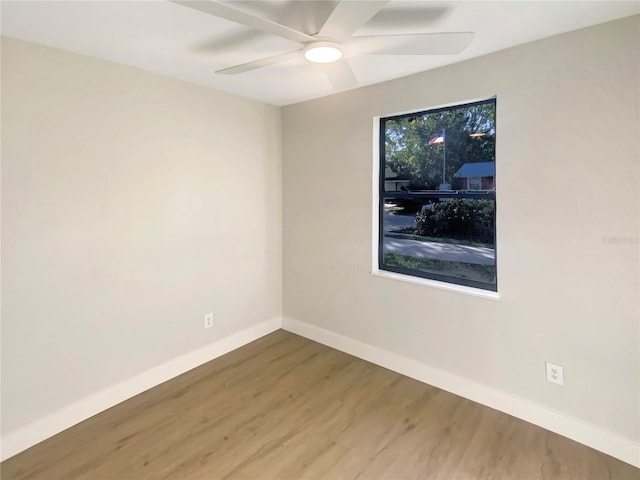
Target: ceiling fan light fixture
x=323, y=52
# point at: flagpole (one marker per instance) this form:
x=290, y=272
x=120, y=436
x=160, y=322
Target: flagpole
x=444, y=149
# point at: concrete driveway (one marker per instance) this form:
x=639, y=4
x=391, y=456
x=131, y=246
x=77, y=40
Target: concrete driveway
x=393, y=222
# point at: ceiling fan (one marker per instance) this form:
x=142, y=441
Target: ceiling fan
x=329, y=45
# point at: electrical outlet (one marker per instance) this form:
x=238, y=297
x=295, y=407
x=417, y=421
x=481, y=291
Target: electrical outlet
x=208, y=320
x=555, y=373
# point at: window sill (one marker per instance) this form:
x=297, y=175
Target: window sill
x=476, y=292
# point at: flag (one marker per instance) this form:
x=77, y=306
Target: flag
x=437, y=139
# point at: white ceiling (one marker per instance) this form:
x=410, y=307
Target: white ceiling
x=180, y=42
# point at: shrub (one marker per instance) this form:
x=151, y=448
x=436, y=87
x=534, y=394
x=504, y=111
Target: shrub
x=462, y=219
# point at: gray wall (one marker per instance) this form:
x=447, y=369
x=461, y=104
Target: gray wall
x=132, y=204
x=568, y=157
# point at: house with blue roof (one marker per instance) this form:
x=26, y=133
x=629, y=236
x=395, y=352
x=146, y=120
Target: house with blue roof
x=476, y=176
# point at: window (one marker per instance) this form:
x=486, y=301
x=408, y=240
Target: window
x=475, y=183
x=437, y=200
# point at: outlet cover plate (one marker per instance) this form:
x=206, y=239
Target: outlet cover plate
x=208, y=320
x=555, y=373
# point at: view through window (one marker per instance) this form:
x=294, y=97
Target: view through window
x=437, y=194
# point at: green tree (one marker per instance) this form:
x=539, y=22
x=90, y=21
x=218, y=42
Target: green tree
x=408, y=153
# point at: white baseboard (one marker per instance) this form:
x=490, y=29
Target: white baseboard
x=16, y=442
x=590, y=435
x=619, y=447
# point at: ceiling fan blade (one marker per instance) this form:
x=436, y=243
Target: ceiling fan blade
x=255, y=64
x=412, y=44
x=348, y=16
x=239, y=16
x=340, y=75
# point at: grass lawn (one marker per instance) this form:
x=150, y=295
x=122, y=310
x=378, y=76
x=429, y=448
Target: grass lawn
x=470, y=271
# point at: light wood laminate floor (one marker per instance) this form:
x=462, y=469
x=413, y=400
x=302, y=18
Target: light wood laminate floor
x=284, y=407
